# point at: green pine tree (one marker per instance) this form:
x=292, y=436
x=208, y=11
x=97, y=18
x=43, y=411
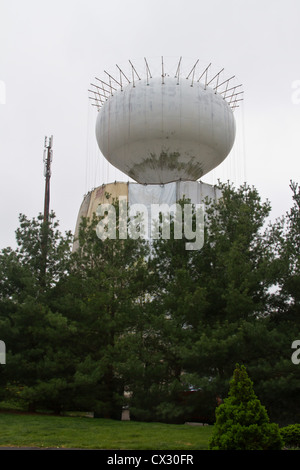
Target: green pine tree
x=36, y=335
x=242, y=422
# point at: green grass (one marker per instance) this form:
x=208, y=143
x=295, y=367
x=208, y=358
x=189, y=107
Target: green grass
x=34, y=430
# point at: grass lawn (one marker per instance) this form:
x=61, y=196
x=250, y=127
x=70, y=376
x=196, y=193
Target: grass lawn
x=36, y=430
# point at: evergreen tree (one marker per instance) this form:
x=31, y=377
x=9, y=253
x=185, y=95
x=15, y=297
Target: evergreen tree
x=35, y=336
x=220, y=300
x=81, y=328
x=109, y=284
x=213, y=296
x=242, y=422
x=278, y=378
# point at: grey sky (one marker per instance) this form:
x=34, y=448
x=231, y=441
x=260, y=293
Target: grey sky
x=50, y=51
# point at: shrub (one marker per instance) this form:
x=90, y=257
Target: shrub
x=242, y=422
x=291, y=435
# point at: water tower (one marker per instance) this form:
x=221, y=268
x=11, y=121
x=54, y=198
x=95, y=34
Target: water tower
x=163, y=129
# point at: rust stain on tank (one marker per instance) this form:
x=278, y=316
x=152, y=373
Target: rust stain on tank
x=168, y=161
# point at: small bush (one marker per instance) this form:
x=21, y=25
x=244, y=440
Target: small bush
x=242, y=422
x=291, y=435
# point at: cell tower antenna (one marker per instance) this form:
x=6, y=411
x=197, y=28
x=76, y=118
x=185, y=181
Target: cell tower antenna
x=45, y=228
x=47, y=173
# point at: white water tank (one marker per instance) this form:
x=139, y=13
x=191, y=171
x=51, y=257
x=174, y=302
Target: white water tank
x=162, y=130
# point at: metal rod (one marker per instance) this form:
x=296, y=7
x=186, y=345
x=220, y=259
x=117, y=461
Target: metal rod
x=98, y=88
x=147, y=71
x=226, y=89
x=134, y=71
x=231, y=96
x=205, y=72
x=220, y=84
x=106, y=84
x=241, y=99
x=206, y=79
x=217, y=83
x=95, y=99
x=178, y=71
x=235, y=94
x=215, y=76
x=194, y=72
x=111, y=88
x=112, y=78
x=103, y=89
x=193, y=69
x=100, y=94
x=229, y=89
x=162, y=70
x=121, y=81
x=227, y=84
x=121, y=72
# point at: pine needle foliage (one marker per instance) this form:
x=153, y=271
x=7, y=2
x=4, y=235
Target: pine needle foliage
x=242, y=422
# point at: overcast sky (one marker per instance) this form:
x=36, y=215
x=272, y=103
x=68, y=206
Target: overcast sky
x=50, y=51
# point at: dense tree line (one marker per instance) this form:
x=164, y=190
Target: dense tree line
x=154, y=326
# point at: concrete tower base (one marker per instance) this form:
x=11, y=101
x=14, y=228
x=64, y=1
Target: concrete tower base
x=135, y=193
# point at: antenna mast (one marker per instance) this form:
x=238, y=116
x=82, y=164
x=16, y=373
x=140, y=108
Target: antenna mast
x=47, y=173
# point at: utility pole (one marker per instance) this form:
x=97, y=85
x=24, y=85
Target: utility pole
x=47, y=173
x=45, y=229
